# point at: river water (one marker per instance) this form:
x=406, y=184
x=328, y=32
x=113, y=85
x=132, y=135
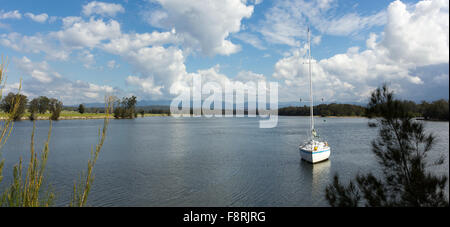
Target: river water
x=166, y=161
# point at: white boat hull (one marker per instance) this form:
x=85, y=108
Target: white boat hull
x=315, y=156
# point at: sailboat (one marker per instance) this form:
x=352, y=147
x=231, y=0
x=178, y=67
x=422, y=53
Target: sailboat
x=315, y=149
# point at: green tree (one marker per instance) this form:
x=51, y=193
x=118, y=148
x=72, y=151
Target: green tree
x=437, y=110
x=130, y=104
x=43, y=104
x=55, y=107
x=81, y=109
x=8, y=104
x=401, y=149
x=33, y=108
x=126, y=108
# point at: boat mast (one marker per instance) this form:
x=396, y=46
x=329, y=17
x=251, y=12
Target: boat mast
x=311, y=107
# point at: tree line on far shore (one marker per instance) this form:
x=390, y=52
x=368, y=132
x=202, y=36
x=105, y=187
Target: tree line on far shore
x=39, y=105
x=138, y=109
x=324, y=110
x=437, y=110
x=124, y=109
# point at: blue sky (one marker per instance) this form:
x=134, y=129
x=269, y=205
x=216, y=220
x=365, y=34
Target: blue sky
x=78, y=51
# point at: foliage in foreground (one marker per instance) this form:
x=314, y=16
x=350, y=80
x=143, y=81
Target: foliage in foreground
x=27, y=191
x=401, y=149
x=81, y=190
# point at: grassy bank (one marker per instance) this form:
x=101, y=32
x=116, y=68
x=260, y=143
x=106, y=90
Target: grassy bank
x=73, y=115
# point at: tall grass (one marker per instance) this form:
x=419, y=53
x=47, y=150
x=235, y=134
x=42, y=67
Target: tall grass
x=6, y=126
x=82, y=188
x=27, y=190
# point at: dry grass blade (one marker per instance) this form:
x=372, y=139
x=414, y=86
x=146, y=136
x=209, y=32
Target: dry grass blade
x=82, y=189
x=27, y=192
x=6, y=126
x=23, y=193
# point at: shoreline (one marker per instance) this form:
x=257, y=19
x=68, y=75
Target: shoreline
x=342, y=117
x=102, y=116
x=418, y=119
x=88, y=117
x=326, y=116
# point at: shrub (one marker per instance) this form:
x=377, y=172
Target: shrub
x=401, y=149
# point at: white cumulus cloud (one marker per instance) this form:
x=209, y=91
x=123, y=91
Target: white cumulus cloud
x=102, y=8
x=414, y=40
x=393, y=57
x=205, y=25
x=10, y=14
x=41, y=18
x=41, y=79
x=78, y=33
x=38, y=70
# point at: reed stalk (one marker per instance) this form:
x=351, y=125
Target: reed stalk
x=7, y=124
x=82, y=188
x=26, y=191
